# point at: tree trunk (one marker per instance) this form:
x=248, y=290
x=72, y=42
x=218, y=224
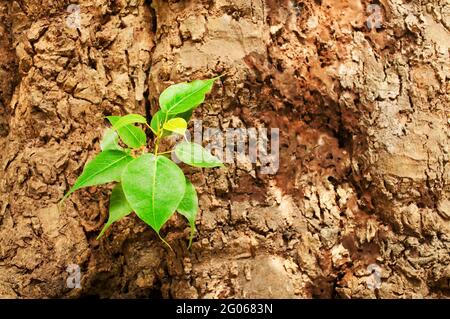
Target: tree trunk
x=358, y=89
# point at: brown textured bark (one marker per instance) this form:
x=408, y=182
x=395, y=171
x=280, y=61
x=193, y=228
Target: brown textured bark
x=364, y=149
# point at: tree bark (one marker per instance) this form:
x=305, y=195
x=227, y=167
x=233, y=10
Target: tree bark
x=363, y=113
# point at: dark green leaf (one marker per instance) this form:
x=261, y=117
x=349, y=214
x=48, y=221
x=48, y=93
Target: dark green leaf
x=104, y=168
x=186, y=115
x=158, y=120
x=131, y=135
x=195, y=155
x=118, y=207
x=188, y=207
x=154, y=187
x=182, y=97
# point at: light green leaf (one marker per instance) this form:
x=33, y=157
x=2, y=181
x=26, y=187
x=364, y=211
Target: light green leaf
x=129, y=119
x=118, y=207
x=182, y=97
x=158, y=118
x=195, y=155
x=188, y=207
x=176, y=125
x=131, y=135
x=154, y=187
x=104, y=168
x=110, y=140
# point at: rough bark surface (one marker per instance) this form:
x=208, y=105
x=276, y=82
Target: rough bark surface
x=364, y=173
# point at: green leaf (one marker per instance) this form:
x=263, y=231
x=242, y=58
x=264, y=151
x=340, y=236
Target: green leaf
x=182, y=97
x=186, y=115
x=118, y=207
x=176, y=125
x=131, y=135
x=129, y=119
x=188, y=207
x=195, y=155
x=158, y=120
x=104, y=168
x=110, y=140
x=154, y=187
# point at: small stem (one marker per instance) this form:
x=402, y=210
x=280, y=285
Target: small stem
x=191, y=237
x=167, y=152
x=158, y=136
x=151, y=128
x=156, y=146
x=165, y=242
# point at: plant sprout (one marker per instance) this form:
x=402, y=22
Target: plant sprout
x=149, y=183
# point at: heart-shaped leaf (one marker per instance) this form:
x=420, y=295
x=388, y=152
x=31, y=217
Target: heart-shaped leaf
x=176, y=125
x=182, y=97
x=106, y=167
x=118, y=207
x=110, y=140
x=131, y=135
x=129, y=119
x=195, y=155
x=154, y=187
x=188, y=207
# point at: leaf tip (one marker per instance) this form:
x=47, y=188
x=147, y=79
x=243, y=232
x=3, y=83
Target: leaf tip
x=165, y=242
x=102, y=232
x=219, y=76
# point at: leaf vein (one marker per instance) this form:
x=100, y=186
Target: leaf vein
x=101, y=171
x=186, y=97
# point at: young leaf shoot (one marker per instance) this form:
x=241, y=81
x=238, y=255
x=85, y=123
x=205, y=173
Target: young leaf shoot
x=148, y=183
